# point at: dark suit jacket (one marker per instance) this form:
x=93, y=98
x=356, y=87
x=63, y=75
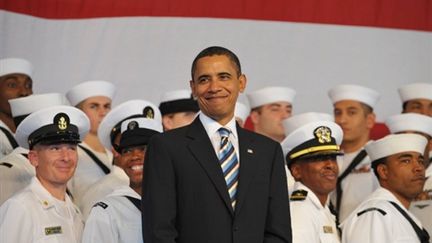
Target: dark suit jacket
x=185, y=197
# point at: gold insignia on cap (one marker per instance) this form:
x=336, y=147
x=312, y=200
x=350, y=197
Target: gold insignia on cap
x=323, y=134
x=148, y=112
x=45, y=203
x=62, y=121
x=328, y=229
x=132, y=125
x=53, y=230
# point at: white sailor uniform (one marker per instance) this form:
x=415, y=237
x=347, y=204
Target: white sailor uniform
x=115, y=219
x=376, y=220
x=16, y=173
x=102, y=188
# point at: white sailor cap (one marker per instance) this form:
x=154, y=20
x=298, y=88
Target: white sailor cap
x=15, y=65
x=111, y=123
x=415, y=91
x=313, y=139
x=55, y=124
x=177, y=101
x=410, y=122
x=394, y=144
x=89, y=89
x=270, y=95
x=23, y=106
x=354, y=92
x=241, y=111
x=292, y=123
x=138, y=131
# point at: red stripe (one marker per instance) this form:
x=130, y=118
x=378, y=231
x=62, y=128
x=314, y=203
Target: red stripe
x=404, y=14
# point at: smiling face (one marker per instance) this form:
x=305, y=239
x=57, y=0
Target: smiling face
x=132, y=162
x=319, y=174
x=403, y=174
x=216, y=85
x=55, y=164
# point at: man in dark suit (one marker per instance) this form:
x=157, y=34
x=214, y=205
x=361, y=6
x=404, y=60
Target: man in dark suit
x=203, y=185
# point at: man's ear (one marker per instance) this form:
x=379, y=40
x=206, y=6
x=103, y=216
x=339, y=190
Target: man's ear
x=254, y=117
x=295, y=171
x=192, y=87
x=243, y=82
x=33, y=158
x=167, y=123
x=382, y=170
x=370, y=120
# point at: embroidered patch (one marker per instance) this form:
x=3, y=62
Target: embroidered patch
x=101, y=204
x=53, y=230
x=299, y=195
x=328, y=229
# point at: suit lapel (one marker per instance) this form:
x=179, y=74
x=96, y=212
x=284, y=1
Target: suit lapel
x=202, y=149
x=247, y=166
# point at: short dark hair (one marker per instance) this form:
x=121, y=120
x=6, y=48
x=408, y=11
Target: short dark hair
x=220, y=51
x=366, y=108
x=375, y=165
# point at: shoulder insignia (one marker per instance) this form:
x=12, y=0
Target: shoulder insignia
x=372, y=209
x=53, y=230
x=101, y=204
x=6, y=164
x=298, y=195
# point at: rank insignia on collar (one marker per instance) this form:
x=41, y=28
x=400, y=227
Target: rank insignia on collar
x=53, y=230
x=328, y=229
x=299, y=195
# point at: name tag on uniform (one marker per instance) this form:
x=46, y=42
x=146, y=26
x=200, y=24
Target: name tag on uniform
x=53, y=230
x=328, y=229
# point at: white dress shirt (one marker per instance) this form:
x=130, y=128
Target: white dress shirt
x=34, y=215
x=211, y=127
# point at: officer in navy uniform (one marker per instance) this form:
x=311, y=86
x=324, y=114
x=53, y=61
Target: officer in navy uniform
x=43, y=212
x=109, y=135
x=15, y=81
x=117, y=217
x=16, y=170
x=178, y=109
x=398, y=162
x=310, y=149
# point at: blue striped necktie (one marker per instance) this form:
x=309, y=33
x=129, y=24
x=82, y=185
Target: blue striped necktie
x=229, y=163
